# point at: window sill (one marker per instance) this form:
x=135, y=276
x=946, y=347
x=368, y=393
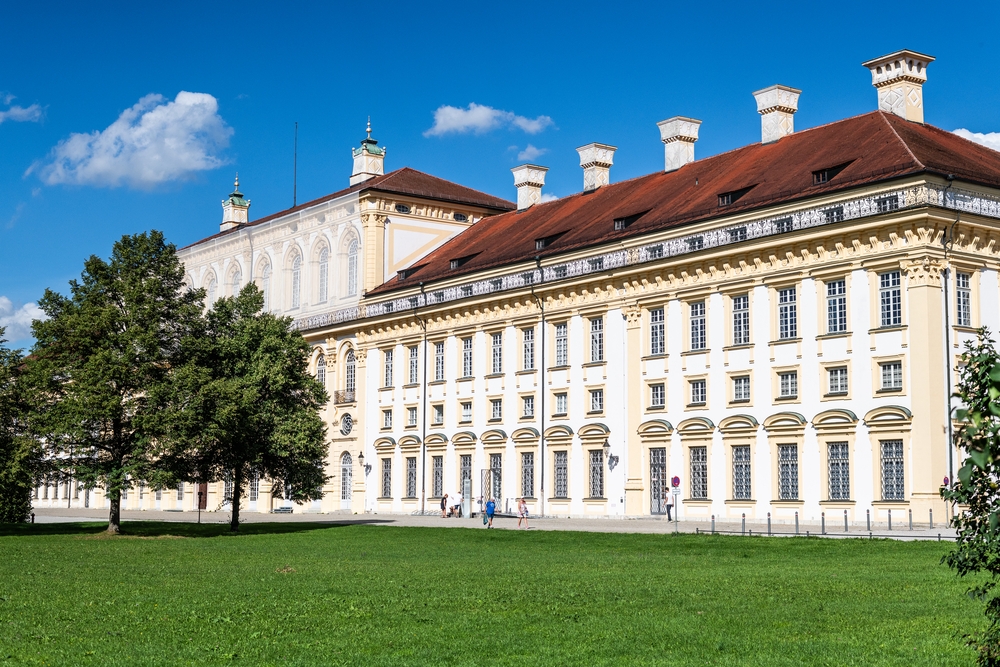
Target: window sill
x=410, y=427
x=466, y=377
x=386, y=429
x=591, y=413
x=699, y=404
x=492, y=375
x=834, y=503
x=437, y=424
x=784, y=341
x=786, y=399
x=656, y=408
x=527, y=371
x=654, y=357
x=384, y=498
x=409, y=498
x=594, y=364
x=527, y=418
x=386, y=387
x=831, y=336
x=595, y=499
x=697, y=501
x=788, y=502
x=563, y=367
x=889, y=503
x=901, y=327
x=495, y=420
x=691, y=353
x=435, y=382
x=742, y=346
x=836, y=394
x=559, y=499
x=965, y=328
x=559, y=415
x=465, y=422
x=890, y=390
x=739, y=401
x=734, y=501
x=411, y=385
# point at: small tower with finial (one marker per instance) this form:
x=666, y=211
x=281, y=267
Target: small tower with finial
x=369, y=159
x=234, y=209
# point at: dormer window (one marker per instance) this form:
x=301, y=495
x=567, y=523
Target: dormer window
x=402, y=208
x=543, y=243
x=822, y=176
x=727, y=198
x=455, y=263
x=406, y=273
x=625, y=221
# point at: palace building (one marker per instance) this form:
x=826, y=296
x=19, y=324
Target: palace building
x=774, y=326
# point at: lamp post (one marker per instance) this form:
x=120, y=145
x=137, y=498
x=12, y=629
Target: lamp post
x=361, y=461
x=199, y=506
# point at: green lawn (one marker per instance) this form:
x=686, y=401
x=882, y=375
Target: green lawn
x=309, y=594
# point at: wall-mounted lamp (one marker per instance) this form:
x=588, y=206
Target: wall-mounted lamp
x=612, y=460
x=361, y=462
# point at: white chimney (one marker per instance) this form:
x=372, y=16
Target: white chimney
x=529, y=179
x=899, y=78
x=596, y=160
x=678, y=135
x=369, y=159
x=235, y=209
x=777, y=106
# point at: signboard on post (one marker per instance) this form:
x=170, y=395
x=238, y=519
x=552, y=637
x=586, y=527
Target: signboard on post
x=675, y=483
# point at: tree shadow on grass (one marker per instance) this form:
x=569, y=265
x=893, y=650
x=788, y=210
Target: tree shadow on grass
x=163, y=529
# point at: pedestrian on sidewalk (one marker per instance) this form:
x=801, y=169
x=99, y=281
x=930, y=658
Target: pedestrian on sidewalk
x=491, y=508
x=456, y=505
x=669, y=504
x=444, y=506
x=522, y=513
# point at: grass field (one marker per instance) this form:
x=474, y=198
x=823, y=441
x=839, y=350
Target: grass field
x=311, y=594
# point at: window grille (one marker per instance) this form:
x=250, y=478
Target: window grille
x=496, y=473
x=414, y=364
x=527, y=474
x=783, y=225
x=886, y=204
x=227, y=488
x=560, y=471
x=657, y=395
x=836, y=306
x=466, y=412
x=656, y=339
x=596, y=473
x=838, y=470
x=297, y=281
x=787, y=314
x=963, y=300
x=496, y=284
x=438, y=414
x=497, y=408
x=835, y=214
x=597, y=339
x=236, y=280
x=529, y=406
x=411, y=416
x=561, y=404
x=892, y=375
x=386, y=478
x=737, y=234
x=559, y=271
x=696, y=243
x=890, y=300
x=438, y=361
x=350, y=372
x=265, y=286
x=596, y=264
x=437, y=466
x=180, y=490
x=699, y=472
x=838, y=380
x=788, y=472
x=788, y=384
x=466, y=290
x=497, y=353
x=741, y=388
x=741, y=320
x=465, y=471
x=467, y=357
x=528, y=339
x=698, y=393
x=411, y=477
x=742, y=489
x=562, y=349
x=596, y=400
x=321, y=370
x=352, y=268
x=387, y=419
x=346, y=475
x=324, y=274
x=654, y=251
x=892, y=470
x=254, y=486
x=387, y=367
x=698, y=341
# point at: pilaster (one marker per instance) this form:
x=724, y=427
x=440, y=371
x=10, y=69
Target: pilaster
x=634, y=400
x=373, y=228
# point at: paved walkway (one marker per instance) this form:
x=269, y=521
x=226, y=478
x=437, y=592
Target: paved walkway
x=638, y=525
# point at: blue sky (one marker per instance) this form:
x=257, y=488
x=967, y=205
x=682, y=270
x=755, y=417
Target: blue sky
x=197, y=91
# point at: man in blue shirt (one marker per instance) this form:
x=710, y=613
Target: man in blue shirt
x=491, y=507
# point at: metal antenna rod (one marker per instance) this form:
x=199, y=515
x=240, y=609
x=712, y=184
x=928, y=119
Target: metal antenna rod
x=295, y=167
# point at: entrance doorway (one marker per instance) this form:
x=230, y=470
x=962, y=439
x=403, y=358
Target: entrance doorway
x=346, y=477
x=658, y=487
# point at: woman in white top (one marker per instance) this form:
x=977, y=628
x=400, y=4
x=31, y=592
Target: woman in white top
x=522, y=513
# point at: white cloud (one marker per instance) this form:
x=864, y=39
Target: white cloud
x=988, y=139
x=548, y=196
x=531, y=153
x=154, y=142
x=17, y=321
x=479, y=118
x=19, y=114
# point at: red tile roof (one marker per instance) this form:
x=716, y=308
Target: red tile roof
x=875, y=147
x=403, y=181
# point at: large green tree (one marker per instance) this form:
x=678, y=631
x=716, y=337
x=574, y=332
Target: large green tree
x=103, y=361
x=248, y=406
x=19, y=453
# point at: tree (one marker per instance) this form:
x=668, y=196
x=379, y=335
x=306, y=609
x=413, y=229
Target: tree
x=977, y=488
x=101, y=362
x=19, y=455
x=257, y=406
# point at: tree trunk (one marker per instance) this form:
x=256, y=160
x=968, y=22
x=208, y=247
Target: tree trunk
x=234, y=524
x=115, y=516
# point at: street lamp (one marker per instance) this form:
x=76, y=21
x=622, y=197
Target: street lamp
x=612, y=460
x=361, y=462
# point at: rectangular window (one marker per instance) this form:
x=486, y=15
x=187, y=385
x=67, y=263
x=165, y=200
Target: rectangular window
x=788, y=472
x=562, y=347
x=741, y=473
x=596, y=264
x=387, y=366
x=892, y=470
x=528, y=339
x=561, y=404
x=496, y=475
x=414, y=364
x=527, y=474
x=788, y=325
x=438, y=414
x=597, y=339
x=465, y=472
x=437, y=466
x=496, y=406
x=387, y=419
x=438, y=361
x=497, y=353
x=890, y=300
x=839, y=470
x=411, y=416
x=698, y=393
x=466, y=357
x=836, y=306
x=699, y=472
x=838, y=380
x=411, y=477
x=783, y=225
x=892, y=375
x=656, y=339
x=466, y=412
x=963, y=299
x=788, y=384
x=741, y=320
x=654, y=251
x=596, y=400
x=698, y=340
x=741, y=389
x=387, y=478
x=528, y=406
x=560, y=474
x=657, y=395
x=737, y=234
x=596, y=473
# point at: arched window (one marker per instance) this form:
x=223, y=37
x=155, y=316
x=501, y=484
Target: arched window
x=237, y=280
x=352, y=268
x=349, y=374
x=265, y=286
x=296, y=281
x=346, y=474
x=324, y=274
x=321, y=370
x=211, y=289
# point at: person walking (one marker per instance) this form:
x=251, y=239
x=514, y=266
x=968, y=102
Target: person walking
x=669, y=502
x=456, y=505
x=522, y=513
x=491, y=508
x=444, y=506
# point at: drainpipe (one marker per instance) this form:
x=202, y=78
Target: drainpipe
x=947, y=241
x=542, y=397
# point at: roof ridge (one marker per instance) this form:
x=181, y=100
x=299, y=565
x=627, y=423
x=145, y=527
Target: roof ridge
x=901, y=140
